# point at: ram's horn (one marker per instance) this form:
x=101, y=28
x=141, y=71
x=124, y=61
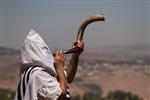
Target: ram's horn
x=89, y=20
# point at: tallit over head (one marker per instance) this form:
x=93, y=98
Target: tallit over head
x=36, y=52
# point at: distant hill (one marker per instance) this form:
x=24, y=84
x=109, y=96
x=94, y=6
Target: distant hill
x=8, y=51
x=125, y=50
x=99, y=71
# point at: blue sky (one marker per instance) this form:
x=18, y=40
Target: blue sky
x=127, y=21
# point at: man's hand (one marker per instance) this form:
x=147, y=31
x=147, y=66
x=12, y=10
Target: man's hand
x=72, y=67
x=59, y=66
x=59, y=60
x=80, y=45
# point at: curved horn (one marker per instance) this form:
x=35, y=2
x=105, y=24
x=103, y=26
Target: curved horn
x=89, y=20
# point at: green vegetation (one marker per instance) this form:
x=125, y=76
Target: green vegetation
x=120, y=95
x=6, y=94
x=116, y=95
x=96, y=90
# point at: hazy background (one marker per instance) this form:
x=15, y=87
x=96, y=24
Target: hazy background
x=127, y=22
x=116, y=60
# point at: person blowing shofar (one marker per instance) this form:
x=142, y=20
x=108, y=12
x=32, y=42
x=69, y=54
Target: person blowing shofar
x=43, y=76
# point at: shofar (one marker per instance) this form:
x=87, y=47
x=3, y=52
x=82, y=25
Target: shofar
x=89, y=20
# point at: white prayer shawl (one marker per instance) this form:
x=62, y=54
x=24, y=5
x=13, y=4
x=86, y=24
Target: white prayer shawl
x=36, y=52
x=39, y=86
x=35, y=83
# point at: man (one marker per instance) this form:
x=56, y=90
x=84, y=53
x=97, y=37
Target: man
x=43, y=76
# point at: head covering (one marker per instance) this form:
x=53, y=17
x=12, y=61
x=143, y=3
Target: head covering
x=36, y=52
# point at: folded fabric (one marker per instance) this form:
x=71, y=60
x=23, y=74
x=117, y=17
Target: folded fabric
x=36, y=52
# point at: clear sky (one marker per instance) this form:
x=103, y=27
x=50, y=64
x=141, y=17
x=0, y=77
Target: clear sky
x=127, y=21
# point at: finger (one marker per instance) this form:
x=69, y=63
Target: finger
x=80, y=41
x=60, y=53
x=57, y=52
x=81, y=44
x=74, y=44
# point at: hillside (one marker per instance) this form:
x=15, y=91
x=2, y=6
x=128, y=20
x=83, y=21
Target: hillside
x=98, y=72
x=8, y=51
